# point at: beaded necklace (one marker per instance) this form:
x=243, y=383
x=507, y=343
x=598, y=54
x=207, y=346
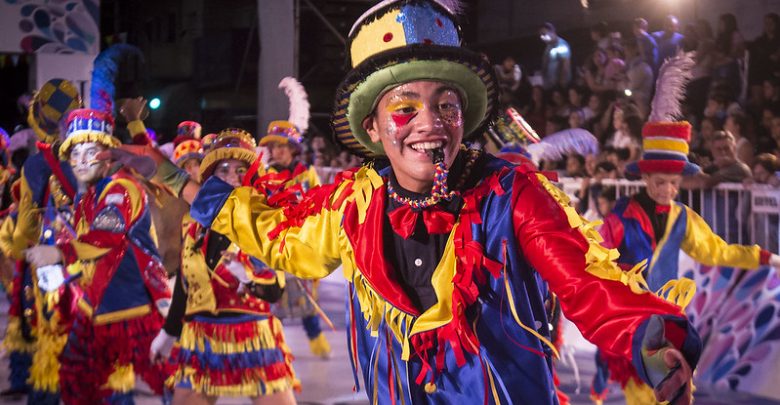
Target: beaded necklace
x=439, y=191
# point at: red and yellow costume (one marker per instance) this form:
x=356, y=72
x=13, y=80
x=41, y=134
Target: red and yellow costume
x=446, y=300
x=115, y=263
x=490, y=283
x=229, y=343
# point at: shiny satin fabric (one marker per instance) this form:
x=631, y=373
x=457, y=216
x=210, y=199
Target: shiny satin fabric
x=518, y=255
x=628, y=229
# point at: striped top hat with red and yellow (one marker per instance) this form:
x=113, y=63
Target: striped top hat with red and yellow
x=665, y=149
x=664, y=139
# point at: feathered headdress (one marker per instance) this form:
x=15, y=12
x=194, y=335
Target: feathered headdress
x=299, y=103
x=664, y=139
x=104, y=75
x=562, y=143
x=296, y=125
x=96, y=124
x=673, y=76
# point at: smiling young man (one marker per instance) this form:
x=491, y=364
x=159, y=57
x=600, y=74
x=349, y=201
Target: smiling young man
x=449, y=252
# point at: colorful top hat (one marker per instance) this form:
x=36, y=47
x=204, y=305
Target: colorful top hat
x=88, y=125
x=290, y=131
x=51, y=104
x=664, y=139
x=665, y=150
x=186, y=150
x=399, y=41
x=231, y=143
x=186, y=130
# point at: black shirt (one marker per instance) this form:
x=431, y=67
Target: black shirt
x=657, y=220
x=414, y=259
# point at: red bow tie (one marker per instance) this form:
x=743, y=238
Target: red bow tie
x=438, y=221
x=662, y=209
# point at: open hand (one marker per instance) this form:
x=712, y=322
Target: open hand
x=676, y=387
x=133, y=109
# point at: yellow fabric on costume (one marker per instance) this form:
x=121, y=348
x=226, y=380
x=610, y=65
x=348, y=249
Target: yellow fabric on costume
x=308, y=179
x=14, y=341
x=709, y=249
x=639, y=394
x=318, y=245
x=7, y=236
x=28, y=223
x=122, y=379
x=195, y=339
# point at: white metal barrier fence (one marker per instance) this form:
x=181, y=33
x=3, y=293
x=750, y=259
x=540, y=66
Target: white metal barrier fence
x=738, y=213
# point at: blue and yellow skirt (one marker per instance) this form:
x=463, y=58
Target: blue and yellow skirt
x=242, y=356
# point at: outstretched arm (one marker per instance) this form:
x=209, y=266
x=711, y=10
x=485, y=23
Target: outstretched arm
x=301, y=239
x=566, y=252
x=709, y=249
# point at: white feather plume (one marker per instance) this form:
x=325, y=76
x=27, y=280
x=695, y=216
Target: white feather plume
x=299, y=103
x=556, y=146
x=673, y=76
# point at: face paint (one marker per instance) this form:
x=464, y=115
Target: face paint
x=403, y=111
x=392, y=129
x=82, y=160
x=450, y=109
x=452, y=117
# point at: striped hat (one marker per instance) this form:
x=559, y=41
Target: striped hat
x=665, y=149
x=402, y=41
x=88, y=125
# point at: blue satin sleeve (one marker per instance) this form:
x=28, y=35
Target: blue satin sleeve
x=210, y=200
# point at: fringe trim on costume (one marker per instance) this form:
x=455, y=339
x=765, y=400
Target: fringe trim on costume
x=45, y=368
x=639, y=393
x=599, y=259
x=227, y=338
x=90, y=136
x=234, y=359
x=679, y=292
x=14, y=341
x=211, y=158
x=248, y=388
x=121, y=380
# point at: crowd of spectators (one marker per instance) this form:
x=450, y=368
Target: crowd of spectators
x=732, y=100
